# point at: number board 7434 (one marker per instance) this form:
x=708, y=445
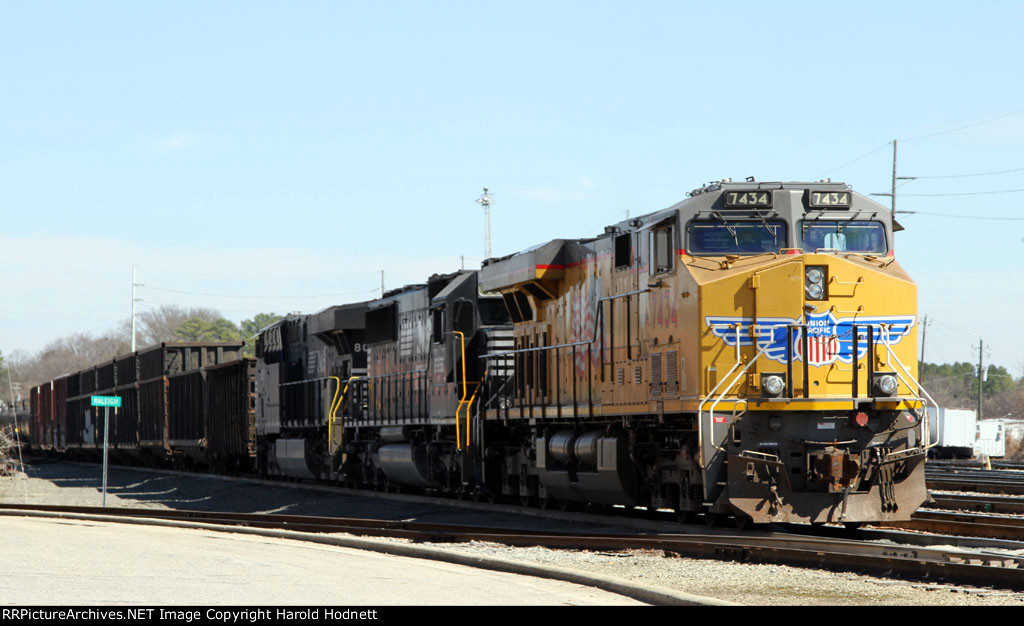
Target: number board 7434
x=829, y=199
x=748, y=199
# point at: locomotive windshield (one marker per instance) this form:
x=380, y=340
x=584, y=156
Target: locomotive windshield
x=846, y=236
x=734, y=237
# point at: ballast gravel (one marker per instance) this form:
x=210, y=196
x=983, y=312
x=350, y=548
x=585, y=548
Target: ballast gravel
x=78, y=484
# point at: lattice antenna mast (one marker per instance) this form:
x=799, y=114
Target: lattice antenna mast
x=486, y=200
x=134, y=300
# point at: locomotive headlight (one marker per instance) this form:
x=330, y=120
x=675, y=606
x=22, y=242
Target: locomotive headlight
x=814, y=282
x=772, y=384
x=886, y=384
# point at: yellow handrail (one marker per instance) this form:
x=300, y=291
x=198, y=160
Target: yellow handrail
x=332, y=413
x=458, y=437
x=469, y=412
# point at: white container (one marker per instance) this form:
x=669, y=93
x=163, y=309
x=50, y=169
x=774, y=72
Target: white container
x=990, y=439
x=954, y=432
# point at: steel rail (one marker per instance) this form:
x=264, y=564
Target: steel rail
x=961, y=567
x=983, y=504
x=967, y=483
x=965, y=524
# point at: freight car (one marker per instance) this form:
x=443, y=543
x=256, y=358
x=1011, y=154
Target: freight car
x=748, y=352
x=169, y=411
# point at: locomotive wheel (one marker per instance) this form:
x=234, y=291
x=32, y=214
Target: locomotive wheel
x=686, y=517
x=712, y=519
x=526, y=501
x=742, y=522
x=544, y=502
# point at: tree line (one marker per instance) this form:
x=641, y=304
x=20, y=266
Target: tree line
x=169, y=323
x=955, y=385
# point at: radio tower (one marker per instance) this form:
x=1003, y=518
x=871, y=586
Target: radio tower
x=486, y=201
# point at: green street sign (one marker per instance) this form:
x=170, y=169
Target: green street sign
x=106, y=401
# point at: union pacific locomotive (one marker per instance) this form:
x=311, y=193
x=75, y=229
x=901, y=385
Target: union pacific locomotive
x=748, y=352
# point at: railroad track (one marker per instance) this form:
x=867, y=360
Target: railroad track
x=963, y=524
x=973, y=464
x=951, y=565
x=975, y=480
x=1010, y=505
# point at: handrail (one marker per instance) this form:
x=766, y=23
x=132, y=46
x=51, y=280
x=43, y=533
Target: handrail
x=711, y=412
x=332, y=413
x=700, y=407
x=458, y=436
x=498, y=393
x=925, y=427
x=334, y=401
x=469, y=408
x=597, y=334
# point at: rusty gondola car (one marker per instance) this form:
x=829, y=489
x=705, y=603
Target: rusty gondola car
x=167, y=408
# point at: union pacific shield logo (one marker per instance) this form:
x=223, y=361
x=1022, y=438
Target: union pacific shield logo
x=823, y=344
x=828, y=339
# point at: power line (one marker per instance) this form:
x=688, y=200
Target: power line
x=959, y=128
x=863, y=156
x=970, y=374
x=1019, y=169
x=965, y=193
x=954, y=329
x=264, y=296
x=238, y=277
x=919, y=138
x=971, y=217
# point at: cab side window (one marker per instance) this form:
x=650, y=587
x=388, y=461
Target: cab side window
x=662, y=258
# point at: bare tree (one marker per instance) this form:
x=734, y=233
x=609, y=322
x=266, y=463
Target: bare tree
x=66, y=355
x=158, y=325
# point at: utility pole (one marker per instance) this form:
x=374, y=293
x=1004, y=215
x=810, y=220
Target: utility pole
x=894, y=142
x=486, y=200
x=892, y=192
x=382, y=283
x=134, y=300
x=980, y=372
x=924, y=335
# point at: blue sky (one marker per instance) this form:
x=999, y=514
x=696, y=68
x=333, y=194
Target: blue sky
x=279, y=156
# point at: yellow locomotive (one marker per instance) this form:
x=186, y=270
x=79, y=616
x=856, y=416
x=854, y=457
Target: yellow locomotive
x=749, y=351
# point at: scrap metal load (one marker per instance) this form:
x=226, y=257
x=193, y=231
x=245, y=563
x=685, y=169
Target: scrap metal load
x=747, y=352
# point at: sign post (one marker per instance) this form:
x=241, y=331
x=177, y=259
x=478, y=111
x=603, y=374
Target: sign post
x=106, y=402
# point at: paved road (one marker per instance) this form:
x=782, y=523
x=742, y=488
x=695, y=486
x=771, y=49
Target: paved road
x=71, y=562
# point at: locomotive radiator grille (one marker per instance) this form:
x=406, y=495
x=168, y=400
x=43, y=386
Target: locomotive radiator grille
x=656, y=387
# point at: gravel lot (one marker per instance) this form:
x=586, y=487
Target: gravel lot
x=74, y=484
